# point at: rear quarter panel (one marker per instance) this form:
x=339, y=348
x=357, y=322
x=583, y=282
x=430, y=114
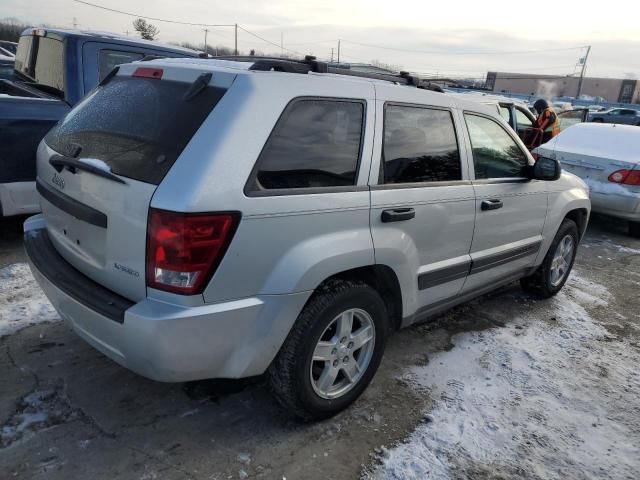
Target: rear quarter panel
x=284, y=243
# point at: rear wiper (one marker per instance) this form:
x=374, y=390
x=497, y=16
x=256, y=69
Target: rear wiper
x=60, y=161
x=197, y=86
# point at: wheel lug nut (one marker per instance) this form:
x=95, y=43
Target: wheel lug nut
x=335, y=363
x=334, y=351
x=350, y=345
x=343, y=339
x=345, y=359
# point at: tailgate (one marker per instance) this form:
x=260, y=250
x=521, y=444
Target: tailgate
x=98, y=225
x=99, y=167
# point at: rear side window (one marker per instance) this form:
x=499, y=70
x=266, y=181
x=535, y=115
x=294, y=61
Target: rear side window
x=315, y=144
x=108, y=59
x=420, y=145
x=495, y=153
x=136, y=126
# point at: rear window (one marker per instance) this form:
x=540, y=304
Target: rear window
x=137, y=126
x=41, y=59
x=108, y=59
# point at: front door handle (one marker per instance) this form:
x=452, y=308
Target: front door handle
x=492, y=204
x=397, y=215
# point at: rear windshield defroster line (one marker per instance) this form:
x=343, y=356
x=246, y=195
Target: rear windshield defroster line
x=137, y=126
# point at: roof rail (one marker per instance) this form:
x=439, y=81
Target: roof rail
x=310, y=64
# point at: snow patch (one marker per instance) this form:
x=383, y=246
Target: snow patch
x=547, y=397
x=609, y=188
x=22, y=302
x=39, y=409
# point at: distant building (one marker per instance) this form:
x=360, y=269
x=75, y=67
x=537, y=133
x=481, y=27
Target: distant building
x=610, y=89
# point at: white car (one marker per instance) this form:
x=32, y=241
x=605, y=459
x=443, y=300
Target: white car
x=606, y=157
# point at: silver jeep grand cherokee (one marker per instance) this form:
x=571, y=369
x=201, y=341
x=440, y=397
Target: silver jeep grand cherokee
x=227, y=218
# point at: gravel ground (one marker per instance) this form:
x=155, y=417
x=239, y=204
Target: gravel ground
x=504, y=387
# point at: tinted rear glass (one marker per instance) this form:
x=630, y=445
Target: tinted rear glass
x=315, y=144
x=137, y=126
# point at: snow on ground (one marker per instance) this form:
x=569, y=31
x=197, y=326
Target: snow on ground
x=551, y=395
x=22, y=303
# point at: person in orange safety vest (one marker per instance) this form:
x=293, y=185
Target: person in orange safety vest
x=547, y=120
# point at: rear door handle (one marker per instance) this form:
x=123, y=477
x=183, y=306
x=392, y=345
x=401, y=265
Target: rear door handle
x=492, y=204
x=397, y=215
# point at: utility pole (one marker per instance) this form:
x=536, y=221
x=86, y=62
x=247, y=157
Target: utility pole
x=281, y=44
x=338, y=51
x=205, y=40
x=584, y=68
x=332, y=55
x=75, y=23
x=236, y=48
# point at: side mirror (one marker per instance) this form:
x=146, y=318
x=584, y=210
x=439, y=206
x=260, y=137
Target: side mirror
x=547, y=169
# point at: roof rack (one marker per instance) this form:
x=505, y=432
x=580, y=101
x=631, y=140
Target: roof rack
x=310, y=64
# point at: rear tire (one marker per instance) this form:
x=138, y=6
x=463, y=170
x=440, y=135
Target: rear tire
x=634, y=229
x=311, y=376
x=552, y=274
x=597, y=120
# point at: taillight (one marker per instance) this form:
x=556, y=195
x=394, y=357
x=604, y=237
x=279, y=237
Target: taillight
x=626, y=177
x=146, y=72
x=184, y=249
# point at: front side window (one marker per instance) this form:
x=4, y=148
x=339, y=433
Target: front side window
x=419, y=145
x=315, y=144
x=495, y=153
x=108, y=59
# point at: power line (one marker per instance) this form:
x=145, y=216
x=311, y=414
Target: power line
x=440, y=52
x=155, y=19
x=269, y=41
x=334, y=40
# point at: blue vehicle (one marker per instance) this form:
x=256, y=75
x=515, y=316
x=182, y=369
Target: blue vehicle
x=625, y=116
x=54, y=69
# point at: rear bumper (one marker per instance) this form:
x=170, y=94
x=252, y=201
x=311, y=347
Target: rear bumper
x=626, y=207
x=163, y=341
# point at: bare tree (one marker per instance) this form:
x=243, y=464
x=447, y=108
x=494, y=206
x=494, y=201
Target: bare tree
x=11, y=28
x=147, y=30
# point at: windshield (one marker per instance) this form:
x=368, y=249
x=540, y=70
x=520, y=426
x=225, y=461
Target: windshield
x=41, y=60
x=136, y=127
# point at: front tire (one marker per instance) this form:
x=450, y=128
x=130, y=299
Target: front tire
x=552, y=274
x=332, y=351
x=634, y=229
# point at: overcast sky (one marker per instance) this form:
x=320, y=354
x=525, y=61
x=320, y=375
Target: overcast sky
x=439, y=34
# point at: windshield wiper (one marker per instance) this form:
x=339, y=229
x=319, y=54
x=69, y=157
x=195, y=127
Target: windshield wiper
x=60, y=161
